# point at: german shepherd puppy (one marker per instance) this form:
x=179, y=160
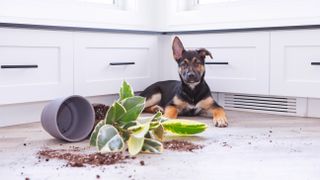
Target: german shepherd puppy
x=189, y=97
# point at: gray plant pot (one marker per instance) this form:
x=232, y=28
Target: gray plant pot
x=70, y=118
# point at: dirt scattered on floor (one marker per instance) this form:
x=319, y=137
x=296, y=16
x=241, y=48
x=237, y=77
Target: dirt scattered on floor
x=75, y=158
x=142, y=163
x=80, y=160
x=225, y=144
x=178, y=145
x=270, y=131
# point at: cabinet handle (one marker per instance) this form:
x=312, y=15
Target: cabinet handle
x=217, y=63
x=315, y=63
x=18, y=66
x=121, y=63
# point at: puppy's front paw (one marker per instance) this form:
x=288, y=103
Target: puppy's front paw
x=171, y=112
x=220, y=121
x=158, y=108
x=219, y=118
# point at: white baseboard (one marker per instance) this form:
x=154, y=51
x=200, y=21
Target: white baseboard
x=14, y=114
x=30, y=112
x=313, y=108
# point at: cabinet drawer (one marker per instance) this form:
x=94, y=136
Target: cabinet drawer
x=240, y=61
x=103, y=61
x=295, y=63
x=34, y=65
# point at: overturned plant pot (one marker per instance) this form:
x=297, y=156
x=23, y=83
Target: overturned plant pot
x=70, y=118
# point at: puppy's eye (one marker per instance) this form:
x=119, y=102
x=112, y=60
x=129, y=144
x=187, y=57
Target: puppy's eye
x=184, y=64
x=197, y=63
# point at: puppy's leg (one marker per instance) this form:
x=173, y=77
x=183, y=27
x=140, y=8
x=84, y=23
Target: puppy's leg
x=212, y=109
x=171, y=112
x=151, y=105
x=219, y=117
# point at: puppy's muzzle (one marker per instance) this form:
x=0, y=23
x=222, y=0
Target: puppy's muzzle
x=191, y=77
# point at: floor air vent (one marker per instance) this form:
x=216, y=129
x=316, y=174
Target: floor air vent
x=268, y=104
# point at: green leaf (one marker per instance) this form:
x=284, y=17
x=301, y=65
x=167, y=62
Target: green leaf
x=153, y=120
x=134, y=107
x=184, y=127
x=136, y=139
x=128, y=125
x=135, y=128
x=154, y=125
x=158, y=133
x=135, y=144
x=125, y=91
x=157, y=116
x=142, y=127
x=144, y=120
x=152, y=146
x=109, y=140
x=115, y=112
x=94, y=134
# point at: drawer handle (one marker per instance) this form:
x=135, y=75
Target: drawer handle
x=18, y=66
x=315, y=63
x=217, y=63
x=121, y=63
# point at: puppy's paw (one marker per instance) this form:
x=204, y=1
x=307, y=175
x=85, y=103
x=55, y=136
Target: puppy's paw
x=219, y=118
x=157, y=108
x=171, y=112
x=220, y=121
x=154, y=109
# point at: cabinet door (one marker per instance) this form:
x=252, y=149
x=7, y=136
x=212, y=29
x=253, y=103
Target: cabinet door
x=35, y=65
x=295, y=63
x=240, y=61
x=104, y=60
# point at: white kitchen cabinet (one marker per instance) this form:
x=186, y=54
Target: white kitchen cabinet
x=41, y=65
x=295, y=63
x=104, y=60
x=240, y=61
x=35, y=65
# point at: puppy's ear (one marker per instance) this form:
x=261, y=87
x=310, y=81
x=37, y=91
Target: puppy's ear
x=203, y=53
x=177, y=48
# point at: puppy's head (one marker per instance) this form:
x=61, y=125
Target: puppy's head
x=190, y=63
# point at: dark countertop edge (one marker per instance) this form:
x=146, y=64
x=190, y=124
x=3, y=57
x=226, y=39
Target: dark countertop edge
x=87, y=29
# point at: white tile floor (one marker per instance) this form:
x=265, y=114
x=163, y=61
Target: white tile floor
x=258, y=146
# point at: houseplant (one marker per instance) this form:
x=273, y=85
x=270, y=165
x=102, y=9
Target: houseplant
x=124, y=127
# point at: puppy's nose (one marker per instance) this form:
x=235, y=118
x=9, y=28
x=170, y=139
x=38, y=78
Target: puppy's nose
x=191, y=75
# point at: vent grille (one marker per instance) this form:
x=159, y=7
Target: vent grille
x=259, y=103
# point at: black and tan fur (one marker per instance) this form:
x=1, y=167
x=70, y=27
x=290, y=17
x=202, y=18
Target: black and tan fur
x=189, y=97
